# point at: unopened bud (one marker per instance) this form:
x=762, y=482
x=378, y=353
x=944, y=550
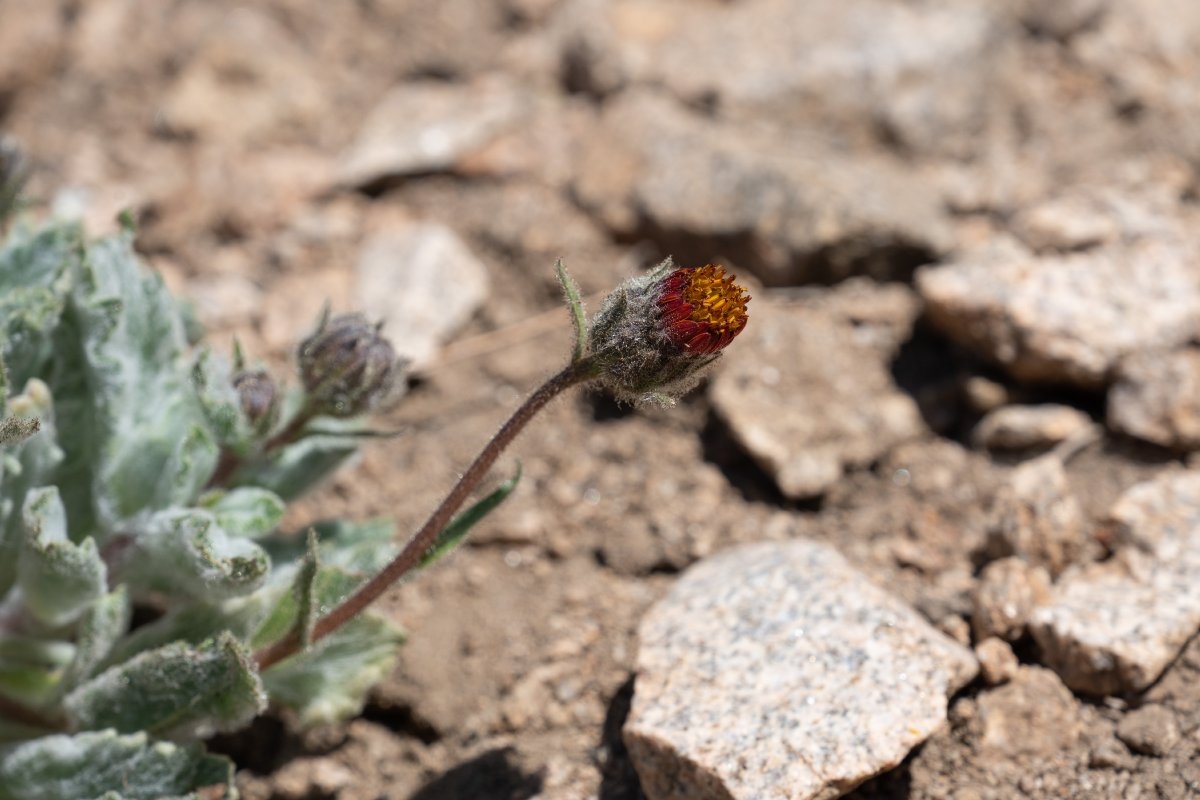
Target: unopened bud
x=259, y=398
x=657, y=332
x=348, y=367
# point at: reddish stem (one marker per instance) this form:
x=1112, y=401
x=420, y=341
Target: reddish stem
x=424, y=538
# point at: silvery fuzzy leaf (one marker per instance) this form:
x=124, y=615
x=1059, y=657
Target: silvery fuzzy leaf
x=197, y=623
x=330, y=681
x=245, y=511
x=99, y=629
x=361, y=548
x=104, y=764
x=36, y=272
x=186, y=552
x=140, y=431
x=58, y=579
x=212, y=381
x=30, y=667
x=316, y=590
x=292, y=470
x=300, y=606
x=22, y=467
x=162, y=468
x=177, y=691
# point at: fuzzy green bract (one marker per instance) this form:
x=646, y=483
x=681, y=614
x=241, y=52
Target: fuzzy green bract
x=112, y=428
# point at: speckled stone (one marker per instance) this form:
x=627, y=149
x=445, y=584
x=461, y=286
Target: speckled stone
x=1113, y=627
x=1151, y=730
x=776, y=671
x=1157, y=398
x=809, y=393
x=1036, y=517
x=1029, y=427
x=1068, y=318
x=423, y=281
x=1005, y=596
x=419, y=129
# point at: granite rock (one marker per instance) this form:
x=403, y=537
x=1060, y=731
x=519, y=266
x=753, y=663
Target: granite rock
x=1029, y=427
x=1004, y=598
x=1147, y=52
x=1068, y=318
x=787, y=204
x=1031, y=716
x=777, y=671
x=1113, y=627
x=228, y=89
x=929, y=74
x=423, y=128
x=1151, y=730
x=1156, y=397
x=423, y=282
x=1036, y=517
x=997, y=662
x=1064, y=18
x=809, y=392
x=1072, y=222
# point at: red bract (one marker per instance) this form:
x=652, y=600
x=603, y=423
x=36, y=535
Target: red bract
x=702, y=308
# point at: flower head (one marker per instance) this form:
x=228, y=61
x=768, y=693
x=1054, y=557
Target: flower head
x=348, y=367
x=702, y=308
x=656, y=333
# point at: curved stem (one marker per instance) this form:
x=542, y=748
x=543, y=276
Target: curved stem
x=578, y=372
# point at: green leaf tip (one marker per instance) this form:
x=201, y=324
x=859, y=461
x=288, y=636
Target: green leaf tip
x=306, y=593
x=575, y=307
x=461, y=525
x=127, y=220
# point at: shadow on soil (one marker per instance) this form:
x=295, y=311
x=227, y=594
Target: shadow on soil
x=491, y=776
x=618, y=779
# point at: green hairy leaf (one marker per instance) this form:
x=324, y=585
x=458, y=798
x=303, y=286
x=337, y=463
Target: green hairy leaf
x=575, y=307
x=22, y=467
x=212, y=380
x=297, y=468
x=187, y=551
x=247, y=511
x=461, y=525
x=139, y=473
x=58, y=579
x=147, y=437
x=36, y=272
x=92, y=765
x=330, y=681
x=99, y=629
x=175, y=690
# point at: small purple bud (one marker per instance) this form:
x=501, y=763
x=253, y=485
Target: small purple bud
x=347, y=367
x=259, y=398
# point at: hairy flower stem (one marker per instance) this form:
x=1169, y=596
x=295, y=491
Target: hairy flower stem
x=578, y=372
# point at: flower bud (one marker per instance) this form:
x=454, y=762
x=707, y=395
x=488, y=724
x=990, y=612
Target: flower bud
x=657, y=332
x=259, y=398
x=347, y=366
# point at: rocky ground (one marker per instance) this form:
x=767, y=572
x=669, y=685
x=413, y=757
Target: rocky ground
x=960, y=417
